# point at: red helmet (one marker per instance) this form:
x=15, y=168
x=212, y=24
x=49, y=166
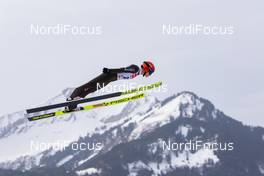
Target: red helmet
x=148, y=67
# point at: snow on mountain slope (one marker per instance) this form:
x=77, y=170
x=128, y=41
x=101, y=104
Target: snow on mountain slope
x=89, y=171
x=145, y=115
x=133, y=136
x=19, y=137
x=167, y=112
x=184, y=159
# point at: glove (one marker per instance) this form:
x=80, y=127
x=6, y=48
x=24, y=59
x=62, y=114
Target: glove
x=106, y=70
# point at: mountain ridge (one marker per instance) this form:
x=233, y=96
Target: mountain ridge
x=184, y=116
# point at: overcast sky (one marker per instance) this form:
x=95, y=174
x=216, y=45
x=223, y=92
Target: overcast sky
x=226, y=69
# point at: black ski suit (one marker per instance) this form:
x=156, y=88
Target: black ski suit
x=108, y=75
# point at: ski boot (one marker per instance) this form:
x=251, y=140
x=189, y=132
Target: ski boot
x=72, y=107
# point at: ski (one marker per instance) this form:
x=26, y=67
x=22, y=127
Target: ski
x=88, y=107
x=101, y=97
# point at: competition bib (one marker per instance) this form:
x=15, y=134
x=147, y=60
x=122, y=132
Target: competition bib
x=126, y=75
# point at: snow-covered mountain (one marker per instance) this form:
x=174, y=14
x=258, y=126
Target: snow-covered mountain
x=136, y=138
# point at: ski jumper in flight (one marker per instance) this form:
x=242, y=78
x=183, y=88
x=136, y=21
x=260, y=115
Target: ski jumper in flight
x=109, y=75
